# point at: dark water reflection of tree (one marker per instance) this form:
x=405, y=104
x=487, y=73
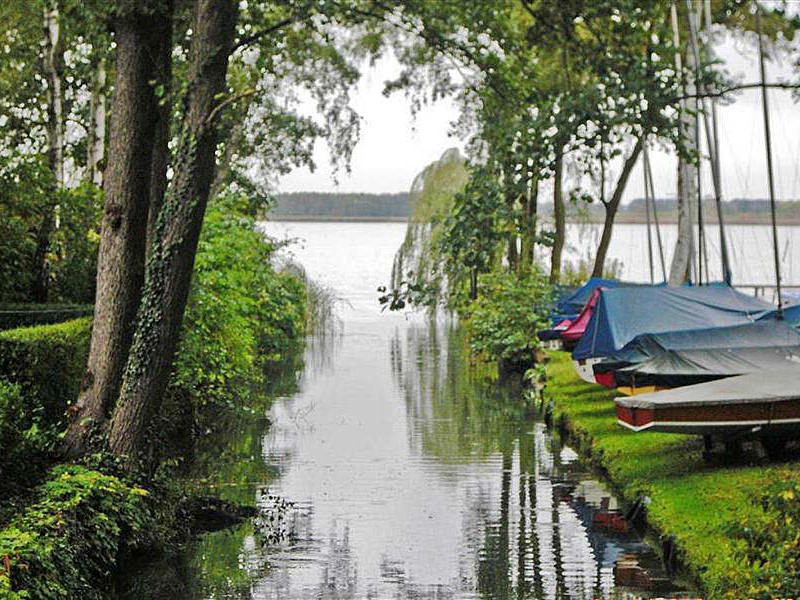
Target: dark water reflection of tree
x=525, y=532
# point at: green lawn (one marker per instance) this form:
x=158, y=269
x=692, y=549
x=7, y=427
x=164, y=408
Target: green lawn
x=694, y=501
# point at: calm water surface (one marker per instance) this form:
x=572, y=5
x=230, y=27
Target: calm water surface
x=411, y=476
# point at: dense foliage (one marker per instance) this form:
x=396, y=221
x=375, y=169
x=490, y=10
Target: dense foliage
x=25, y=194
x=503, y=320
x=65, y=544
x=241, y=311
x=40, y=371
x=47, y=361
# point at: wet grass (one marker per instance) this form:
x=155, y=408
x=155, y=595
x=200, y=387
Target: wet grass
x=695, y=502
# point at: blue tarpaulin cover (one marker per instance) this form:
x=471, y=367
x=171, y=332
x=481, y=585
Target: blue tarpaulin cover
x=625, y=312
x=791, y=315
x=573, y=303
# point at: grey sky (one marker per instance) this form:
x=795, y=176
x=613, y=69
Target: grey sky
x=394, y=147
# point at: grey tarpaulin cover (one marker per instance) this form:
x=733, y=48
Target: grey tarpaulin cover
x=766, y=386
x=721, y=351
x=673, y=368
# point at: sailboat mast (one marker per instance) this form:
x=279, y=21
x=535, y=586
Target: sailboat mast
x=652, y=193
x=770, y=177
x=702, y=256
x=712, y=136
x=647, y=212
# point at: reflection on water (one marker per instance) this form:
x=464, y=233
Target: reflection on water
x=412, y=477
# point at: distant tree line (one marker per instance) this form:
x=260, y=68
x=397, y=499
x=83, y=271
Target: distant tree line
x=398, y=205
x=734, y=206
x=332, y=204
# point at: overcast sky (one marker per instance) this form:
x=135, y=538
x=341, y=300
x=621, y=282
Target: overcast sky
x=394, y=147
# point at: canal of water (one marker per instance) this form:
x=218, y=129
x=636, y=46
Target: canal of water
x=409, y=473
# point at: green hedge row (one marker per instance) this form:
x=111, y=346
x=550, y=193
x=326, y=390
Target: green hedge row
x=47, y=362
x=27, y=315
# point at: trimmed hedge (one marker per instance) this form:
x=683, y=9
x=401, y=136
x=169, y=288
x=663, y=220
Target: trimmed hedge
x=27, y=315
x=47, y=361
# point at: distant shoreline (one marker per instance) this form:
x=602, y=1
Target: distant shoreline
x=622, y=219
x=335, y=219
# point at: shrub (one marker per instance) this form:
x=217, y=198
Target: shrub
x=240, y=311
x=505, y=317
x=47, y=361
x=24, y=442
x=66, y=543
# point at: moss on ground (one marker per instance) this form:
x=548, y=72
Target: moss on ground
x=696, y=503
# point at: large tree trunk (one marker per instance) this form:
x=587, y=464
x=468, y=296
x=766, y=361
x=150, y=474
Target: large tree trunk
x=612, y=206
x=559, y=216
x=121, y=259
x=170, y=265
x=528, y=243
x=160, y=161
x=681, y=266
x=54, y=71
x=96, y=144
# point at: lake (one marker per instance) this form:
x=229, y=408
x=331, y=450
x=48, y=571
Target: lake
x=409, y=472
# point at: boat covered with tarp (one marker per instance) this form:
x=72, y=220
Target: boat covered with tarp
x=766, y=401
x=675, y=368
x=621, y=314
x=572, y=303
x=676, y=358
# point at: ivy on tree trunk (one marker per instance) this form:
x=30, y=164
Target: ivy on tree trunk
x=121, y=258
x=171, y=260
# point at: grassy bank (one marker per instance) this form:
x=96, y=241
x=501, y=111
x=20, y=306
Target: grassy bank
x=732, y=522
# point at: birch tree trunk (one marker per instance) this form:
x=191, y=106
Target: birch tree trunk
x=121, y=258
x=54, y=71
x=170, y=265
x=559, y=218
x=96, y=143
x=680, y=268
x=530, y=210
x=512, y=254
x=612, y=206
